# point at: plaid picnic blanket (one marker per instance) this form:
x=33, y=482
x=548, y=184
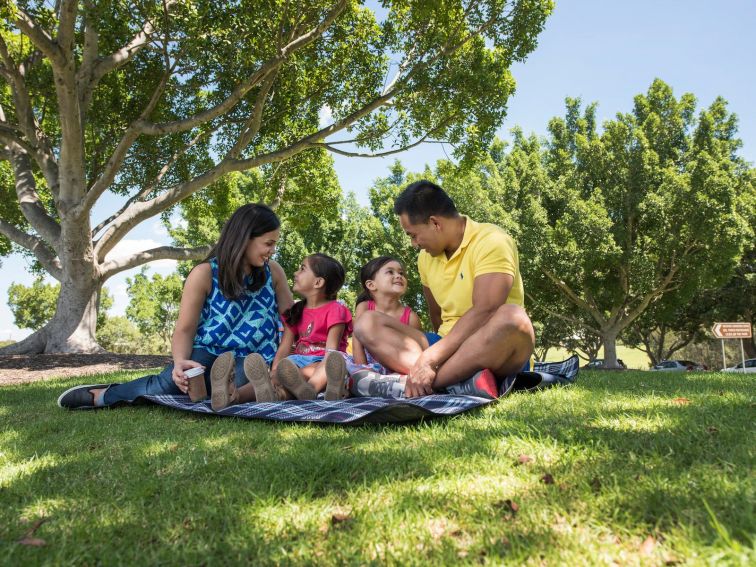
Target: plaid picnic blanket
x=355, y=411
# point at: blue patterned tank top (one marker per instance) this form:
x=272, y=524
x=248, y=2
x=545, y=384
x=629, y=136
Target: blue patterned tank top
x=245, y=325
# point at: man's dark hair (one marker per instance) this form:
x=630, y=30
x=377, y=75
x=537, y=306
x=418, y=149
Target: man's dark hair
x=421, y=200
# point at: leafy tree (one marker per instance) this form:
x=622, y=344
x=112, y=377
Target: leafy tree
x=154, y=304
x=669, y=325
x=33, y=306
x=118, y=334
x=154, y=101
x=650, y=206
x=736, y=300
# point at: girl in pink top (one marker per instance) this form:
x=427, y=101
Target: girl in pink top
x=316, y=328
x=383, y=285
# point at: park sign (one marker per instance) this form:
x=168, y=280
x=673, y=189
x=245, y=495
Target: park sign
x=732, y=330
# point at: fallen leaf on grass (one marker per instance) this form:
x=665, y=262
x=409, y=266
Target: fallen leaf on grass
x=340, y=516
x=648, y=545
x=440, y=527
x=33, y=541
x=522, y=459
x=508, y=507
x=681, y=401
x=547, y=479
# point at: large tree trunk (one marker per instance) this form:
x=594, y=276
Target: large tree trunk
x=72, y=328
x=610, y=349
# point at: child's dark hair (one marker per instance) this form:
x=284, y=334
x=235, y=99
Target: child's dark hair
x=368, y=272
x=248, y=222
x=421, y=200
x=331, y=271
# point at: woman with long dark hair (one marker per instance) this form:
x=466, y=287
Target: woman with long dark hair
x=228, y=319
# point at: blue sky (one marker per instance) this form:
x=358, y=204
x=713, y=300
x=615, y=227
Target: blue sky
x=605, y=51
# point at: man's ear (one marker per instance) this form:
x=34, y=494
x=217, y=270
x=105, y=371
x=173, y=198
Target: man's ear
x=435, y=222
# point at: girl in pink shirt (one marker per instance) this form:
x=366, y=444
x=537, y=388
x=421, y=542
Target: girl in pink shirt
x=316, y=329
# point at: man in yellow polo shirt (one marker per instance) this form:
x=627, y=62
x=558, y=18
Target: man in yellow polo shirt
x=471, y=280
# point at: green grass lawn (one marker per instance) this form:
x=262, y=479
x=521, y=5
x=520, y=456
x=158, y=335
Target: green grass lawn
x=631, y=468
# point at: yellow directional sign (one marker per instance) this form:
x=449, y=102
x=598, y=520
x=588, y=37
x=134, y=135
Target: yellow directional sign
x=732, y=330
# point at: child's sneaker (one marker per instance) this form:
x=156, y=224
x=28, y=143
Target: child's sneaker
x=336, y=371
x=374, y=385
x=482, y=385
x=222, y=387
x=290, y=378
x=257, y=373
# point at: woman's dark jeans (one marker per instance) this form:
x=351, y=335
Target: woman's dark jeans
x=163, y=383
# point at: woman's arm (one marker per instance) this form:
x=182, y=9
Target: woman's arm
x=196, y=290
x=358, y=351
x=284, y=297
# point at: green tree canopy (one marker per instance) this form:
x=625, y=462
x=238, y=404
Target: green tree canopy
x=653, y=204
x=154, y=303
x=154, y=101
x=33, y=306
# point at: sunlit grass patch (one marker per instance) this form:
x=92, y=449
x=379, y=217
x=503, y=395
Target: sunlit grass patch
x=629, y=468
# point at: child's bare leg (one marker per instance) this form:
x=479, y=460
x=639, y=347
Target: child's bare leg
x=290, y=378
x=315, y=374
x=246, y=393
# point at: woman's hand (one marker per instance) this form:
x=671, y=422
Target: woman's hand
x=179, y=378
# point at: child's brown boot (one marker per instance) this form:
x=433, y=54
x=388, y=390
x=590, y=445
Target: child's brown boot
x=222, y=387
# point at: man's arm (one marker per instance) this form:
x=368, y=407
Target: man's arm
x=490, y=291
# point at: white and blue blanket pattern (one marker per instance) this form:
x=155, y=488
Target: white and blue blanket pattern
x=355, y=411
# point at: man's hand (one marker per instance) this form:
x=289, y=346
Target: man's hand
x=420, y=379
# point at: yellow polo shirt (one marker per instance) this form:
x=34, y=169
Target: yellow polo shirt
x=485, y=249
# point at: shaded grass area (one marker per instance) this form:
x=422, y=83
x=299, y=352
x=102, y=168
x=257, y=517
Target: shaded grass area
x=633, y=468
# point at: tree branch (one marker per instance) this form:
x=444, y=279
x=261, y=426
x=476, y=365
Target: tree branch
x=255, y=120
x=151, y=186
x=36, y=246
x=28, y=199
x=572, y=296
x=36, y=143
x=66, y=26
x=175, y=126
x=112, y=267
x=39, y=37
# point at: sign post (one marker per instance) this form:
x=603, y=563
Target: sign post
x=732, y=331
